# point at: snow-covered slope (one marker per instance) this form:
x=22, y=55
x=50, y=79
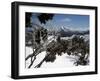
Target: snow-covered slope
x=61, y=61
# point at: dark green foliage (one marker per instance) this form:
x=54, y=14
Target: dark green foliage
x=44, y=33
x=69, y=52
x=45, y=17
x=58, y=39
x=64, y=46
x=28, y=19
x=37, y=36
x=40, y=33
x=28, y=38
x=81, y=61
x=77, y=39
x=80, y=46
x=57, y=48
x=50, y=58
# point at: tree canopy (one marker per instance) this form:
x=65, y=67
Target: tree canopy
x=42, y=17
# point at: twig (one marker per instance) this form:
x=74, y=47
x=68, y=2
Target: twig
x=32, y=61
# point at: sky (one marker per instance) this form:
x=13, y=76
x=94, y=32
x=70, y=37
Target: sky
x=70, y=21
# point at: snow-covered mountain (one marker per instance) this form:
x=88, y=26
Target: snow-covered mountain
x=65, y=32
x=65, y=29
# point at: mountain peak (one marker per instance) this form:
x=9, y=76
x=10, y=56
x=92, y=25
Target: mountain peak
x=65, y=29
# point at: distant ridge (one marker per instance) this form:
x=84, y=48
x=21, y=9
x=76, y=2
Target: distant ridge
x=68, y=32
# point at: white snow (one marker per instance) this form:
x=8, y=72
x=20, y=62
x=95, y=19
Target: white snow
x=65, y=28
x=86, y=37
x=61, y=61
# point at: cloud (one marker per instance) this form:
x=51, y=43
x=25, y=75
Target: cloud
x=66, y=20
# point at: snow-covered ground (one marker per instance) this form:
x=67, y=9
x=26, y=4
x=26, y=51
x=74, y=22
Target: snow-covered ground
x=61, y=61
x=86, y=37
